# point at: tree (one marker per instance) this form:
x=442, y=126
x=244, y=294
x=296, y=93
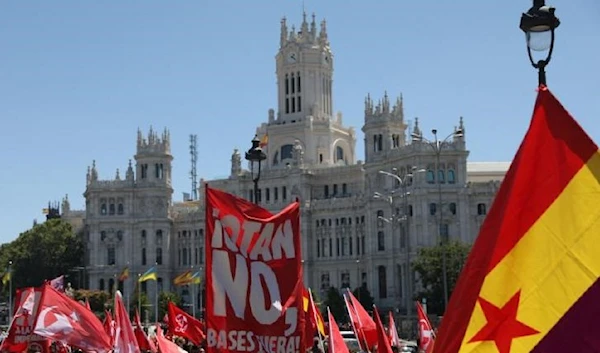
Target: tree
x=428, y=264
x=98, y=299
x=163, y=301
x=44, y=252
x=335, y=302
x=364, y=297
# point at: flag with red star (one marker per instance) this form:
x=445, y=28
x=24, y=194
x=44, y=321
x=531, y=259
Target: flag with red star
x=531, y=282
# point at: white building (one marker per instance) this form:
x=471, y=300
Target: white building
x=132, y=221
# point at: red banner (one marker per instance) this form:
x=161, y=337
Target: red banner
x=20, y=335
x=254, y=277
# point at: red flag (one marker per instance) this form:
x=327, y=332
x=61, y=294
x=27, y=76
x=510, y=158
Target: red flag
x=20, y=335
x=87, y=304
x=109, y=325
x=254, y=276
x=164, y=345
x=393, y=331
x=125, y=341
x=363, y=324
x=335, y=342
x=426, y=335
x=184, y=325
x=61, y=318
x=143, y=341
x=383, y=342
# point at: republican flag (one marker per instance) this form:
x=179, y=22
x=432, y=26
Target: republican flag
x=531, y=282
x=184, y=325
x=313, y=319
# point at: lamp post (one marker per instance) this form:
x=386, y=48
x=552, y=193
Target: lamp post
x=437, y=146
x=403, y=182
x=358, y=289
x=255, y=155
x=539, y=23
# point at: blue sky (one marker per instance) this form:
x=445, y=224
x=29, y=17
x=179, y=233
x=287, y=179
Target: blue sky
x=77, y=79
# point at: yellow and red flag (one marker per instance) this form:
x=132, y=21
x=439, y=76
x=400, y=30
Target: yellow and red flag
x=531, y=282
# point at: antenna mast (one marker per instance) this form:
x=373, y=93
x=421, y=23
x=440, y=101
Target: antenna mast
x=194, y=158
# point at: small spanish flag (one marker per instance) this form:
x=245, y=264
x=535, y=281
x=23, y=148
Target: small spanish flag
x=264, y=141
x=124, y=274
x=532, y=280
x=183, y=279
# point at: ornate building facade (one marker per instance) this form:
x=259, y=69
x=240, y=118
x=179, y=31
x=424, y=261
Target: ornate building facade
x=359, y=224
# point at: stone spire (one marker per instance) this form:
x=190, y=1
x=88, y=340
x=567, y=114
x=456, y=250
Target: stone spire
x=129, y=173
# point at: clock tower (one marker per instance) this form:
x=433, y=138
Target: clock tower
x=304, y=72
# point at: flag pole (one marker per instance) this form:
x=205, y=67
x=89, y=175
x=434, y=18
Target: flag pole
x=127, y=296
x=193, y=299
x=156, y=295
x=10, y=296
x=139, y=292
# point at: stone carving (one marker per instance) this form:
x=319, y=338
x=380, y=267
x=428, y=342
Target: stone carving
x=298, y=154
x=153, y=206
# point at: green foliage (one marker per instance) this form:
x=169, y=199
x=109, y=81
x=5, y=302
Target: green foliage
x=44, y=252
x=99, y=300
x=163, y=301
x=364, y=296
x=428, y=265
x=335, y=301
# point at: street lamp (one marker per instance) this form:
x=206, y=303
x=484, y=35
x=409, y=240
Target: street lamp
x=255, y=155
x=437, y=146
x=403, y=182
x=539, y=23
x=358, y=289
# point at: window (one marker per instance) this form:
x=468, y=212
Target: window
x=452, y=207
x=378, y=143
x=380, y=218
x=159, y=237
x=120, y=209
x=299, y=101
x=144, y=260
x=268, y=194
x=159, y=258
x=444, y=231
x=430, y=176
x=201, y=255
x=350, y=246
x=382, y=275
x=103, y=209
x=344, y=189
x=195, y=256
x=481, y=209
x=158, y=171
x=380, y=241
x=432, y=209
x=299, y=86
x=287, y=105
x=275, y=194
x=287, y=85
x=111, y=285
x=102, y=235
x=326, y=190
x=451, y=176
x=185, y=257
x=339, y=154
x=111, y=255
x=159, y=284
x=143, y=236
x=111, y=209
x=101, y=284
x=441, y=176
x=286, y=152
x=284, y=193
x=410, y=210
x=335, y=189
x=144, y=287
x=144, y=171
x=121, y=286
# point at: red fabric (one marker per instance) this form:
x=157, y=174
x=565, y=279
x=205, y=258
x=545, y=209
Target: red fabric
x=184, y=325
x=143, y=341
x=335, y=342
x=125, y=340
x=87, y=304
x=253, y=275
x=393, y=331
x=20, y=335
x=109, y=325
x=61, y=318
x=164, y=345
x=383, y=342
x=363, y=324
x=426, y=335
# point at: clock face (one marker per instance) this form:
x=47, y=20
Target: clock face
x=292, y=57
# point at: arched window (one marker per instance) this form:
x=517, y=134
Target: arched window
x=101, y=284
x=144, y=259
x=432, y=208
x=143, y=237
x=481, y=209
x=382, y=276
x=159, y=258
x=159, y=237
x=451, y=176
x=339, y=153
x=380, y=241
x=120, y=209
x=379, y=216
x=111, y=209
x=111, y=285
x=103, y=209
x=286, y=152
x=430, y=176
x=441, y=176
x=452, y=207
